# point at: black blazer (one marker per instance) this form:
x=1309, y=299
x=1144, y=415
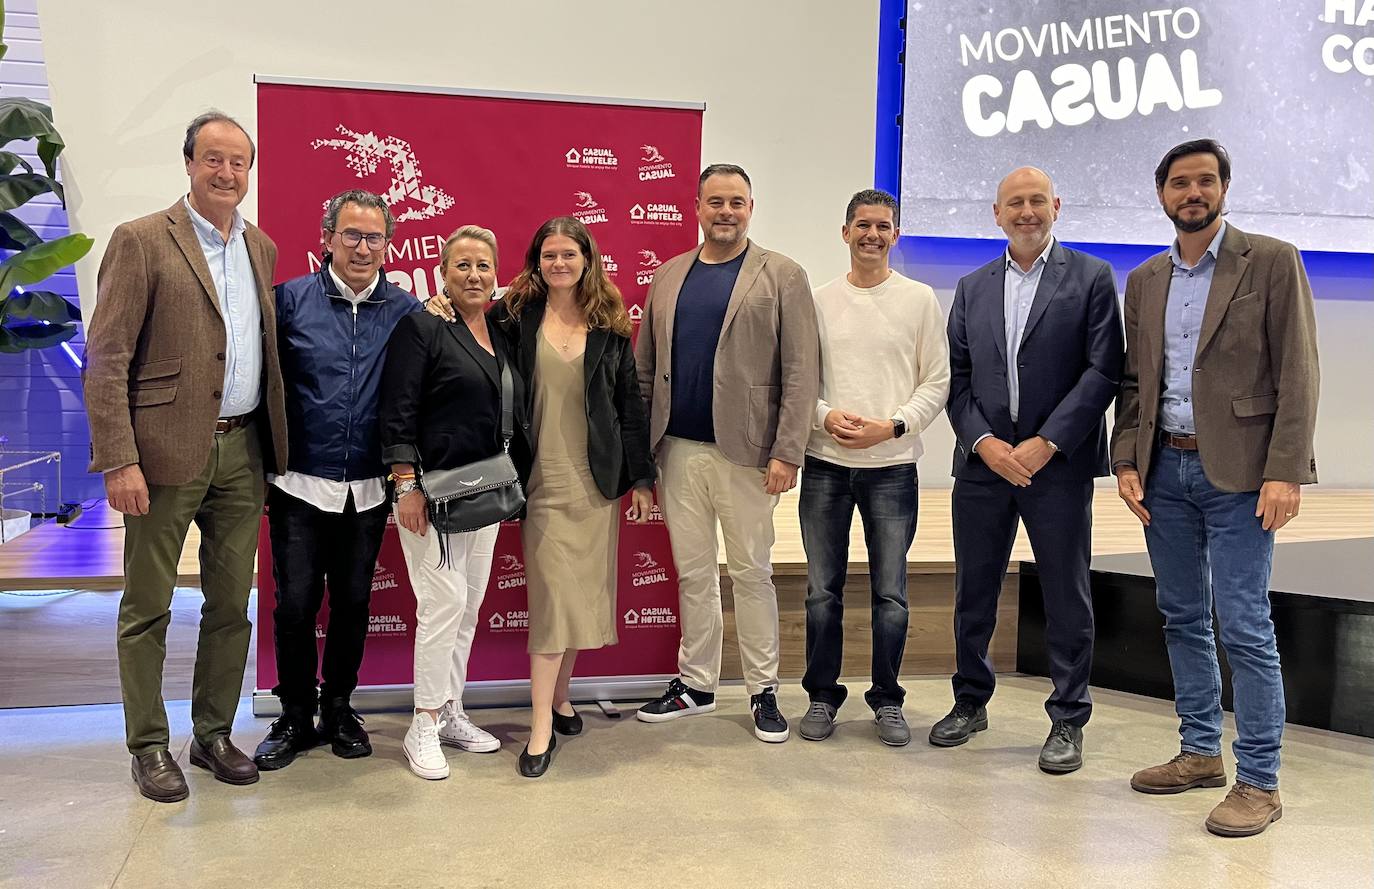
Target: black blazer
x=617, y=422
x=1069, y=365
x=440, y=396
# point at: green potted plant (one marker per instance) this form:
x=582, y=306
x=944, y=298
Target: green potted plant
x=31, y=319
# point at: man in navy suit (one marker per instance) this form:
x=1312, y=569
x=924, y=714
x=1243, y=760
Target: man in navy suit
x=1036, y=349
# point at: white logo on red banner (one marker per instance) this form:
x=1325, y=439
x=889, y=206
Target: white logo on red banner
x=512, y=621
x=653, y=165
x=586, y=210
x=510, y=572
x=649, y=617
x=636, y=314
x=592, y=158
x=655, y=214
x=364, y=151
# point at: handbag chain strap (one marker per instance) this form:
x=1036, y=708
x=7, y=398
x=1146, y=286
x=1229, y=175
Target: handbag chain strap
x=507, y=407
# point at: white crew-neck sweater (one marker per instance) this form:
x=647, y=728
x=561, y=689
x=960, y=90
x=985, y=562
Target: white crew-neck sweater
x=883, y=355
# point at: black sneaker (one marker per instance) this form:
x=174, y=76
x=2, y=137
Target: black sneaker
x=678, y=700
x=769, y=724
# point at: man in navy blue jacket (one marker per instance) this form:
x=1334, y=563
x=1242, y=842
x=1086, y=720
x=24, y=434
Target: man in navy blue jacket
x=328, y=511
x=1035, y=358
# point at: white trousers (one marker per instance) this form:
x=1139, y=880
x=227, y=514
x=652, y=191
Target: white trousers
x=446, y=603
x=697, y=488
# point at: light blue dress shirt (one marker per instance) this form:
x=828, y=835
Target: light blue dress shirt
x=237, y=291
x=1188, y=289
x=1018, y=294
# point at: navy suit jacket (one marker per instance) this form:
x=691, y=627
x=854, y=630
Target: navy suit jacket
x=1069, y=365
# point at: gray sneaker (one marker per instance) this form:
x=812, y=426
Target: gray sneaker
x=818, y=722
x=892, y=728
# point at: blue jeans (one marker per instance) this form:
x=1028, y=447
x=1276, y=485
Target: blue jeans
x=887, y=502
x=1208, y=547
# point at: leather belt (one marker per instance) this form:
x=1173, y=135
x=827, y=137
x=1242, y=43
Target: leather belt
x=1182, y=442
x=229, y=424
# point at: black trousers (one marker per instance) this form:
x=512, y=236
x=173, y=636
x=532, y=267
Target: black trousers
x=1058, y=518
x=312, y=548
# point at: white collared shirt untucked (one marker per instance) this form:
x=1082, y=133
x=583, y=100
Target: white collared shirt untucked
x=326, y=494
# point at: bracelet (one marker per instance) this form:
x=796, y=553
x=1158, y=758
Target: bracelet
x=405, y=476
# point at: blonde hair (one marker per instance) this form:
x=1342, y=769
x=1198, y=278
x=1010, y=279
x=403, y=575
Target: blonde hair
x=470, y=233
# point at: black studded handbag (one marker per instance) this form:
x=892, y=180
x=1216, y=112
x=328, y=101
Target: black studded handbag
x=478, y=494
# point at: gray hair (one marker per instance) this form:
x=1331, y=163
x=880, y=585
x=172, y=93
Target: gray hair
x=472, y=233
x=361, y=198
x=188, y=147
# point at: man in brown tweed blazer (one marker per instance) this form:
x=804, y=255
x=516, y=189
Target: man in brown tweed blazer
x=1213, y=439
x=184, y=395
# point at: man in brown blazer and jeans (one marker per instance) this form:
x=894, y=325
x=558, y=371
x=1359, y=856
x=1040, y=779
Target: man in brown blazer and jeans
x=729, y=362
x=184, y=395
x=1213, y=438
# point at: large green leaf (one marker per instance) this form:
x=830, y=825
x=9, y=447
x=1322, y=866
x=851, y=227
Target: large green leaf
x=36, y=263
x=20, y=188
x=34, y=336
x=27, y=119
x=9, y=160
x=15, y=234
x=38, y=306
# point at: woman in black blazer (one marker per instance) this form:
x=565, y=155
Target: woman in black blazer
x=571, y=337
x=441, y=409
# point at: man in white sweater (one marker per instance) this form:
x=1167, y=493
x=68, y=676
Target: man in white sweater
x=884, y=377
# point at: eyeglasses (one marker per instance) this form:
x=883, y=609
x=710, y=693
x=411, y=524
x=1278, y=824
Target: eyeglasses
x=352, y=238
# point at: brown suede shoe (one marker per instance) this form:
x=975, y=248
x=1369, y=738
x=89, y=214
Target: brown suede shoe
x=1246, y=811
x=1183, y=772
x=159, y=777
x=225, y=761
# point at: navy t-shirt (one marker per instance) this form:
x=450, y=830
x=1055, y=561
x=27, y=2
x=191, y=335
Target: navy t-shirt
x=701, y=306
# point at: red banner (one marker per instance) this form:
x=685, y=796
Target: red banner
x=507, y=163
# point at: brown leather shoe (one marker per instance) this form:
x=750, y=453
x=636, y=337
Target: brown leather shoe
x=159, y=777
x=225, y=761
x=1246, y=811
x=1183, y=772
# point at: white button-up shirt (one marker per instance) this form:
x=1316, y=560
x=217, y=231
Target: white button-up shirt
x=1018, y=294
x=236, y=289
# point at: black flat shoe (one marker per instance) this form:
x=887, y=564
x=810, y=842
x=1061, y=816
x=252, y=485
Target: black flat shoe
x=535, y=766
x=567, y=725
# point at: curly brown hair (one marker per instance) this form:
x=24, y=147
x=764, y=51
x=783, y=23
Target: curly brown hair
x=599, y=299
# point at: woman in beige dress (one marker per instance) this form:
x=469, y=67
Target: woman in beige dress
x=571, y=335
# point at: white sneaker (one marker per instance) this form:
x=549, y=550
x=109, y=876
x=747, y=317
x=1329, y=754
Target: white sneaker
x=422, y=748
x=458, y=730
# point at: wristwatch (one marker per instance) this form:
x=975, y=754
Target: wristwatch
x=404, y=488
x=898, y=427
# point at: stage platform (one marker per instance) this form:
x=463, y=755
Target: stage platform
x=88, y=554
x=1323, y=612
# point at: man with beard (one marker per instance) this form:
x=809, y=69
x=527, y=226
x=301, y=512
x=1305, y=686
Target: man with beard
x=728, y=361
x=1214, y=436
x=1035, y=359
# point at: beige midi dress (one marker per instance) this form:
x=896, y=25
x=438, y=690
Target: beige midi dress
x=569, y=530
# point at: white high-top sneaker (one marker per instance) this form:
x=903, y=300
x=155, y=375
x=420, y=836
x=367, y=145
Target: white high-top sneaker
x=458, y=730
x=422, y=748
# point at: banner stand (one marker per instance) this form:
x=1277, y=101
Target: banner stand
x=491, y=693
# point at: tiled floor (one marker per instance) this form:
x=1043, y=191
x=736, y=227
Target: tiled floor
x=699, y=802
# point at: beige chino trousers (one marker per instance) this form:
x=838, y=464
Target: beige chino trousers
x=698, y=487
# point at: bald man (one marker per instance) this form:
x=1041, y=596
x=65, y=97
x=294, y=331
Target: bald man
x=1035, y=347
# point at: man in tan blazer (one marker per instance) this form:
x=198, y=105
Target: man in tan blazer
x=184, y=395
x=1213, y=438
x=729, y=362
